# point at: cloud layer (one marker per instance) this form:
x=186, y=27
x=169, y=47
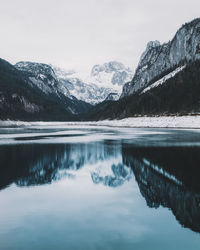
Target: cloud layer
x=78, y=34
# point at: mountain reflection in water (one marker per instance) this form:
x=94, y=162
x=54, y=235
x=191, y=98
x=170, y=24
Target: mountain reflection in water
x=166, y=176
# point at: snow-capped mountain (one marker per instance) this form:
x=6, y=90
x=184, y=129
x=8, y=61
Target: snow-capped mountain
x=113, y=74
x=104, y=83
x=43, y=77
x=161, y=59
x=177, y=93
x=166, y=81
x=101, y=82
x=90, y=93
x=87, y=92
x=21, y=100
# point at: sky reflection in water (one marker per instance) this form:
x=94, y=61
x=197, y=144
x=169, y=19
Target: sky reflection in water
x=102, y=194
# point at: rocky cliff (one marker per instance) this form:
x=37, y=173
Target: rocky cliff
x=43, y=77
x=22, y=101
x=160, y=59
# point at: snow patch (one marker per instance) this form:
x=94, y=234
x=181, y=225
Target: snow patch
x=162, y=172
x=190, y=121
x=164, y=79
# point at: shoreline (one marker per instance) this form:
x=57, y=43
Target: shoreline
x=178, y=122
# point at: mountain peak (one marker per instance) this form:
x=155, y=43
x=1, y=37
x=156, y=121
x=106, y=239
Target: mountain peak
x=103, y=80
x=43, y=76
x=108, y=67
x=153, y=44
x=158, y=59
x=84, y=90
x=28, y=65
x=192, y=23
x=113, y=74
x=41, y=70
x=150, y=45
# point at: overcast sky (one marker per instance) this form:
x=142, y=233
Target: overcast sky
x=80, y=33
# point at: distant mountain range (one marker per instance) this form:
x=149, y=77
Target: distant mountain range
x=50, y=93
x=166, y=82
x=113, y=74
x=21, y=100
x=31, y=91
x=102, y=81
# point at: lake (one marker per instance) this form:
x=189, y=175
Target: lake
x=86, y=187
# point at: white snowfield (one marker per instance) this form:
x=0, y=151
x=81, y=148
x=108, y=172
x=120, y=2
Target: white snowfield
x=190, y=121
x=155, y=122
x=164, y=79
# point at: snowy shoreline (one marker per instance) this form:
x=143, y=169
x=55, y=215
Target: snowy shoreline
x=133, y=122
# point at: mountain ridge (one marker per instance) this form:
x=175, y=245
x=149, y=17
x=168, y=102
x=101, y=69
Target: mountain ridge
x=158, y=58
x=20, y=101
x=103, y=80
x=166, y=82
x=43, y=77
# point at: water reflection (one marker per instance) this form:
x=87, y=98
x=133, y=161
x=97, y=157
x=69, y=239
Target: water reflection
x=120, y=174
x=32, y=164
x=169, y=177
x=166, y=176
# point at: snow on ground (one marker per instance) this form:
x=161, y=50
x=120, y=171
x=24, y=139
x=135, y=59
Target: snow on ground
x=190, y=121
x=155, y=122
x=164, y=79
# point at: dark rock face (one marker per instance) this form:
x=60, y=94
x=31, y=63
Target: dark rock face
x=112, y=97
x=158, y=59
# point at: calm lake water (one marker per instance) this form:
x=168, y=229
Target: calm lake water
x=99, y=188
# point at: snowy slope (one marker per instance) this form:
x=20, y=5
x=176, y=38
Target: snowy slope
x=94, y=88
x=42, y=76
x=98, y=85
x=159, y=58
x=82, y=90
x=109, y=74
x=190, y=121
x=164, y=79
x=90, y=93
